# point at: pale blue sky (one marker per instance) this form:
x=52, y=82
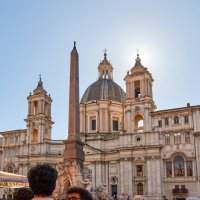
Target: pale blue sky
x=36, y=36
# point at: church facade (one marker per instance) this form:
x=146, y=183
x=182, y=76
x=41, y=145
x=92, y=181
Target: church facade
x=131, y=148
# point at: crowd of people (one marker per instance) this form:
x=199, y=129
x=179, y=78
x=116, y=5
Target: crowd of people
x=42, y=182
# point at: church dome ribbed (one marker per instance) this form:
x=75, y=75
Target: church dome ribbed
x=104, y=89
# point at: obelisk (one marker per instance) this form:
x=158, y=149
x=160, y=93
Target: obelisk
x=74, y=146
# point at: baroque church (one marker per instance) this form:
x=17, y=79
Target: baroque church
x=131, y=148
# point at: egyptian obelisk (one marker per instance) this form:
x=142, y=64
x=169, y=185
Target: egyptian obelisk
x=73, y=146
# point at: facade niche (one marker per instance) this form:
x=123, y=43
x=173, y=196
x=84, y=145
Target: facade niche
x=35, y=135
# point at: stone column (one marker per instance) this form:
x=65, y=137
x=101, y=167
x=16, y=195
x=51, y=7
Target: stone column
x=149, y=178
x=107, y=120
x=127, y=90
x=130, y=90
x=128, y=116
x=29, y=108
x=101, y=120
x=158, y=177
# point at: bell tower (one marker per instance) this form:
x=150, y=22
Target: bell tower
x=139, y=98
x=139, y=82
x=38, y=120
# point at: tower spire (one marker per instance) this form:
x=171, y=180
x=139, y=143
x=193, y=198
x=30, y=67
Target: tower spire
x=138, y=60
x=105, y=54
x=73, y=146
x=40, y=77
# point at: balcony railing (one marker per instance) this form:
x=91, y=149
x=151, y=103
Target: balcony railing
x=139, y=178
x=181, y=179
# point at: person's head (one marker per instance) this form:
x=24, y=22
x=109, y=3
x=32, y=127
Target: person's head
x=22, y=194
x=42, y=179
x=78, y=193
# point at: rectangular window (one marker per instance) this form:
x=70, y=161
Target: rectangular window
x=189, y=168
x=186, y=119
x=187, y=137
x=167, y=138
x=10, y=152
x=166, y=121
x=16, y=138
x=177, y=138
x=115, y=125
x=160, y=123
x=139, y=170
x=169, y=169
x=93, y=124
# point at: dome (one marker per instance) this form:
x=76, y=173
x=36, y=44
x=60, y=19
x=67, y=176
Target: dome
x=104, y=89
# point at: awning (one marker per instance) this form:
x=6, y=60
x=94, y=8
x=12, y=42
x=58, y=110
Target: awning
x=12, y=180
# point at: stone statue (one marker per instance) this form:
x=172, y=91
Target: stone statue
x=101, y=193
x=69, y=174
x=63, y=181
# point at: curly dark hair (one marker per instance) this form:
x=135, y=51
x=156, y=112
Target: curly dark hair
x=84, y=194
x=22, y=194
x=42, y=179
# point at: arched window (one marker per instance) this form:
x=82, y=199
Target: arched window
x=137, y=89
x=10, y=168
x=35, y=108
x=139, y=123
x=179, y=169
x=176, y=120
x=140, y=189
